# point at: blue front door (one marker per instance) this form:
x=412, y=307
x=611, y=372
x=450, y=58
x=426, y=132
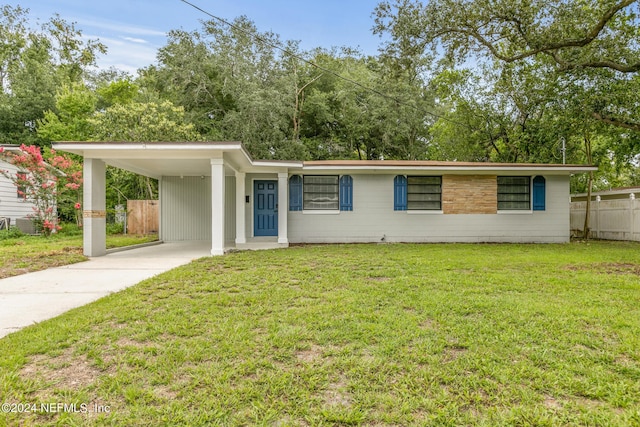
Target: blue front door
x=265, y=208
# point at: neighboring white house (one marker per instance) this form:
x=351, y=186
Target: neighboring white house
x=12, y=205
x=214, y=191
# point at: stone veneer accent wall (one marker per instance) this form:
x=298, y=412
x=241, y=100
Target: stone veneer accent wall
x=469, y=194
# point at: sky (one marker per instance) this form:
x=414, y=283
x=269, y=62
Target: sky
x=133, y=30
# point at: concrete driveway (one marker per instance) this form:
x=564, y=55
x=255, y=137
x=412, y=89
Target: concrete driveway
x=34, y=297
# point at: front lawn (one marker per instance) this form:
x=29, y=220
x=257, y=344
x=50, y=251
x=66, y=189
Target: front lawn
x=25, y=254
x=383, y=335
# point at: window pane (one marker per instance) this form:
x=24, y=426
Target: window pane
x=424, y=192
x=321, y=192
x=514, y=193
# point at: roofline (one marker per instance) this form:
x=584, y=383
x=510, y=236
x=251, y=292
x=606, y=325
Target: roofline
x=430, y=165
x=324, y=165
x=186, y=145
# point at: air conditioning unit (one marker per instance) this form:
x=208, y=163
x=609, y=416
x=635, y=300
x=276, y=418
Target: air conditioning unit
x=26, y=225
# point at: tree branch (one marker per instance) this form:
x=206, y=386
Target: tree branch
x=616, y=122
x=551, y=48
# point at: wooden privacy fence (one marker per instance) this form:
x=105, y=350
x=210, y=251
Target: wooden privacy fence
x=617, y=219
x=142, y=216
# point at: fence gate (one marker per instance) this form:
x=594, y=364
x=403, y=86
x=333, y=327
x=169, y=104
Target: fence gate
x=143, y=216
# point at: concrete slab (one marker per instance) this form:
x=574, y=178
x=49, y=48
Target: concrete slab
x=34, y=297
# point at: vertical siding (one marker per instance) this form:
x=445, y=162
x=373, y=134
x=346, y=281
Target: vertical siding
x=186, y=208
x=185, y=205
x=11, y=206
x=230, y=209
x=373, y=219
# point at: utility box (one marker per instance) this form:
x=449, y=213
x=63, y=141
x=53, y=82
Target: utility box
x=26, y=225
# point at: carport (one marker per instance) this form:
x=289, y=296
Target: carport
x=206, y=190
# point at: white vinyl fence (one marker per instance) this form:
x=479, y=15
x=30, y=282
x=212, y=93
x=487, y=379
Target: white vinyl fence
x=617, y=219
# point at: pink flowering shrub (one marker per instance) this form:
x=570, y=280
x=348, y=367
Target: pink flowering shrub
x=39, y=182
x=69, y=185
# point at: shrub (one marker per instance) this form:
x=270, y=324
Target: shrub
x=70, y=229
x=11, y=233
x=115, y=228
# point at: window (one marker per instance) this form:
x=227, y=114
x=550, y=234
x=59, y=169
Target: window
x=514, y=193
x=21, y=189
x=320, y=192
x=417, y=193
x=424, y=193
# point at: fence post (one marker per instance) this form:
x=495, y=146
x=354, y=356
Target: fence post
x=598, y=199
x=632, y=222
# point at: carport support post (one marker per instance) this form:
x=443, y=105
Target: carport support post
x=241, y=237
x=217, y=207
x=283, y=207
x=94, y=210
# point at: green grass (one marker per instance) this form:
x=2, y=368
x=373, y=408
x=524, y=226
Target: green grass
x=383, y=335
x=24, y=254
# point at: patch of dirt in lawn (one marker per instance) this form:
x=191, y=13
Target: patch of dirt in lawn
x=290, y=421
x=453, y=351
x=428, y=324
x=128, y=342
x=337, y=394
x=310, y=355
x=65, y=371
x=378, y=278
x=607, y=268
x=165, y=392
x=551, y=402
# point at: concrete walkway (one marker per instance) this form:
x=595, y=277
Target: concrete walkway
x=34, y=297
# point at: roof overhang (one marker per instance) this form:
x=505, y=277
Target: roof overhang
x=157, y=159
x=426, y=166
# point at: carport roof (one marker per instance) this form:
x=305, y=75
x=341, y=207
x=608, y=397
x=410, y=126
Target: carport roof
x=156, y=159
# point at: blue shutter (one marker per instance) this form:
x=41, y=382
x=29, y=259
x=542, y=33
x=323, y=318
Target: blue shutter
x=295, y=193
x=346, y=193
x=538, y=193
x=400, y=193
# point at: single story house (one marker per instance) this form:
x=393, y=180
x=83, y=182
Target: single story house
x=215, y=191
x=13, y=205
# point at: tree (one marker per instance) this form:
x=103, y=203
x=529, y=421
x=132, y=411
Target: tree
x=75, y=104
x=592, y=41
x=137, y=121
x=33, y=64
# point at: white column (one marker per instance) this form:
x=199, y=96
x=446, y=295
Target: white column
x=241, y=237
x=283, y=207
x=217, y=207
x=94, y=209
